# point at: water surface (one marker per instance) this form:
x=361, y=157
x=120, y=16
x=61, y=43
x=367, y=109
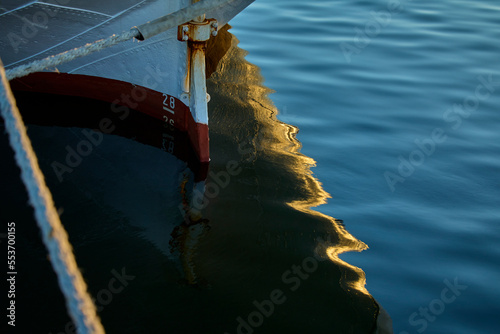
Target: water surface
x=414, y=71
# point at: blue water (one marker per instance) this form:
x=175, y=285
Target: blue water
x=362, y=102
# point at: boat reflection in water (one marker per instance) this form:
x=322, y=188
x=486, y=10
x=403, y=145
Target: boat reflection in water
x=265, y=240
x=252, y=258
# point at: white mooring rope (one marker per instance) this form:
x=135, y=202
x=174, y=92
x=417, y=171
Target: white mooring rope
x=80, y=306
x=64, y=57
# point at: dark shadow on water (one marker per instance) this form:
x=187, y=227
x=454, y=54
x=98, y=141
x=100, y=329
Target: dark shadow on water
x=262, y=261
x=263, y=224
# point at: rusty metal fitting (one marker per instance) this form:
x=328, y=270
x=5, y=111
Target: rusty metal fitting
x=197, y=31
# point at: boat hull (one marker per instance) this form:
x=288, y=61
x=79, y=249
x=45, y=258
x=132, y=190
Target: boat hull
x=151, y=76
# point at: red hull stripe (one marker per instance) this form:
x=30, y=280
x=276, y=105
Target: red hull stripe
x=119, y=93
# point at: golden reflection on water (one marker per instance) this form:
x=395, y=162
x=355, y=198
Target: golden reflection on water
x=318, y=196
x=262, y=221
x=276, y=141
